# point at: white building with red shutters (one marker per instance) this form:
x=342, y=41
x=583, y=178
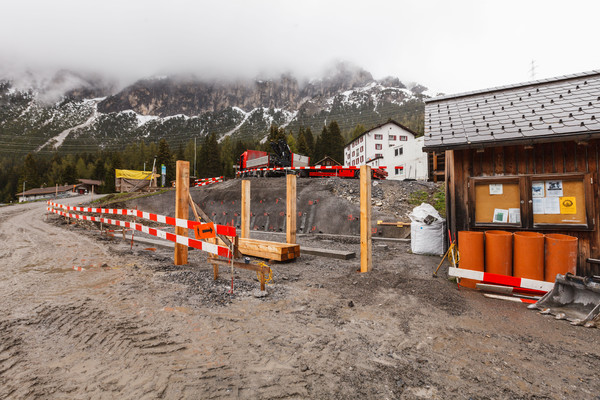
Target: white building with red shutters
x=390, y=145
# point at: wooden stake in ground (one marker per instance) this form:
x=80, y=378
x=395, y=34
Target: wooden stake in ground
x=182, y=208
x=290, y=226
x=366, y=261
x=245, y=228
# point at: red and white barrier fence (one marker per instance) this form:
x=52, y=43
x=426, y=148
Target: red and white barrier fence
x=183, y=240
x=207, y=181
x=297, y=168
x=177, y=222
x=501, y=279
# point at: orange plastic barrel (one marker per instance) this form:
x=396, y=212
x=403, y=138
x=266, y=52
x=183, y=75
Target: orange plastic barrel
x=470, y=249
x=498, y=252
x=528, y=255
x=561, y=255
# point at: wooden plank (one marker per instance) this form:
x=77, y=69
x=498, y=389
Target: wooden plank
x=199, y=213
x=487, y=162
x=548, y=158
x=290, y=227
x=245, y=228
x=498, y=160
x=182, y=208
x=270, y=250
x=510, y=160
x=366, y=256
x=337, y=254
x=569, y=155
x=450, y=213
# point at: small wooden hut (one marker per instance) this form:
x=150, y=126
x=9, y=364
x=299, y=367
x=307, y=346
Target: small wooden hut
x=523, y=157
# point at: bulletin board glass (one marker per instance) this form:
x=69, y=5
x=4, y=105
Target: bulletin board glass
x=497, y=202
x=558, y=201
x=542, y=201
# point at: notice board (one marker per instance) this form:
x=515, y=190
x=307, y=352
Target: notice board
x=566, y=206
x=493, y=199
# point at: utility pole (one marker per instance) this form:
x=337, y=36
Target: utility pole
x=532, y=70
x=195, y=157
x=24, y=190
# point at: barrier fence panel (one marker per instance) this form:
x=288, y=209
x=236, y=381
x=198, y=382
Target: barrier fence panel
x=177, y=222
x=183, y=240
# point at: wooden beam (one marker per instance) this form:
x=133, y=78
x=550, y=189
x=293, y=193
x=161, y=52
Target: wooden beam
x=366, y=256
x=270, y=250
x=262, y=270
x=245, y=228
x=200, y=214
x=337, y=254
x=182, y=208
x=290, y=227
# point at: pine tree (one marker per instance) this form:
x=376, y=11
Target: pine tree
x=30, y=174
x=165, y=157
x=210, y=160
x=336, y=143
x=320, y=145
x=301, y=144
x=310, y=142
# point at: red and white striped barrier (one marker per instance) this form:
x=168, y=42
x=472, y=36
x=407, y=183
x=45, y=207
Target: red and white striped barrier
x=296, y=168
x=501, y=279
x=207, y=181
x=178, y=222
x=183, y=240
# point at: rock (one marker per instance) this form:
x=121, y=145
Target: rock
x=304, y=368
x=259, y=293
x=400, y=383
x=350, y=304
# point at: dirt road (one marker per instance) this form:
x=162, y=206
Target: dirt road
x=131, y=326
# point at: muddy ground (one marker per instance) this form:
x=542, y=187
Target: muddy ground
x=132, y=325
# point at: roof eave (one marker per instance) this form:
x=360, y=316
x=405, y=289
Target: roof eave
x=579, y=136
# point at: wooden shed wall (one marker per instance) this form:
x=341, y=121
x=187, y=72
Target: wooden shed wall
x=543, y=158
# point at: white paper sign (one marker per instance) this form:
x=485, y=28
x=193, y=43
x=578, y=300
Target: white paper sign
x=500, y=215
x=552, y=205
x=514, y=215
x=538, y=205
x=537, y=189
x=554, y=188
x=495, y=188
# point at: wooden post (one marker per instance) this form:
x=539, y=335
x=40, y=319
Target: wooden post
x=290, y=227
x=435, y=166
x=245, y=228
x=366, y=259
x=182, y=208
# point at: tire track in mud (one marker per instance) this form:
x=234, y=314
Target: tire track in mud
x=82, y=349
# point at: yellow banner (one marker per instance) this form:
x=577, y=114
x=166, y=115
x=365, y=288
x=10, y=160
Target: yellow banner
x=131, y=174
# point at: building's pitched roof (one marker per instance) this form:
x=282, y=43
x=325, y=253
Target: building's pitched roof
x=90, y=182
x=47, y=190
x=320, y=162
x=391, y=121
x=547, y=109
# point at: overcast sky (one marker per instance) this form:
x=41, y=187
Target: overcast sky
x=448, y=46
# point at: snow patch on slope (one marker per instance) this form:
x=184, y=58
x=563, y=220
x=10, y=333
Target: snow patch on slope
x=231, y=132
x=60, y=138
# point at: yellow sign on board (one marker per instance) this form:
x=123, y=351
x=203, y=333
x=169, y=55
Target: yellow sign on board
x=568, y=205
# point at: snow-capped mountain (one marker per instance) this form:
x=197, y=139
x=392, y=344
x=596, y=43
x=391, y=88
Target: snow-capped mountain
x=89, y=115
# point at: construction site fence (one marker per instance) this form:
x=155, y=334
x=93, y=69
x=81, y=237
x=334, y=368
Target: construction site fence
x=316, y=167
x=222, y=251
